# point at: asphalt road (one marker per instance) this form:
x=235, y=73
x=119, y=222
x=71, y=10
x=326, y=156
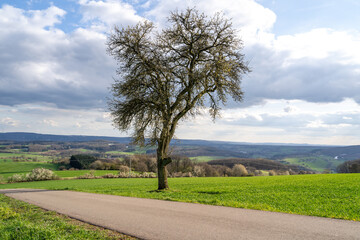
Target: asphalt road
x=156, y=219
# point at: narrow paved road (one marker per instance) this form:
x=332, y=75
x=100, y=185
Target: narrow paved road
x=155, y=219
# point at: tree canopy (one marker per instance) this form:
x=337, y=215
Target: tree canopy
x=169, y=75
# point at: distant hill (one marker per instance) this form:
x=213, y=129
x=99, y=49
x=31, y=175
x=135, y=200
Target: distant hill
x=308, y=156
x=36, y=137
x=344, y=153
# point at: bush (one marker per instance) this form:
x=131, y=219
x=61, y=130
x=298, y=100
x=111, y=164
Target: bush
x=258, y=173
x=148, y=175
x=134, y=175
x=110, y=175
x=62, y=168
x=210, y=171
x=175, y=174
x=99, y=165
x=40, y=174
x=272, y=173
x=124, y=169
x=187, y=174
x=239, y=170
x=151, y=164
x=81, y=161
x=199, y=171
x=125, y=175
x=16, y=178
x=286, y=173
x=141, y=167
x=349, y=167
x=90, y=175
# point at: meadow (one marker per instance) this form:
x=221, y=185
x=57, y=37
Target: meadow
x=8, y=168
x=325, y=195
x=23, y=156
x=318, y=163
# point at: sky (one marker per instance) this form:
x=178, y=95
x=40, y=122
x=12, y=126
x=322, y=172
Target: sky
x=304, y=87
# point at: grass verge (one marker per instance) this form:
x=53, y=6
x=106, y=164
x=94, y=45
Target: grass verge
x=19, y=220
x=8, y=169
x=323, y=195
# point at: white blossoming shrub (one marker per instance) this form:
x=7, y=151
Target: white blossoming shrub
x=89, y=175
x=148, y=175
x=136, y=175
x=110, y=175
x=16, y=178
x=40, y=174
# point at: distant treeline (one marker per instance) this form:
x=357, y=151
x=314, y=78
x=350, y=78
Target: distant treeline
x=258, y=163
x=349, y=167
x=99, y=146
x=184, y=167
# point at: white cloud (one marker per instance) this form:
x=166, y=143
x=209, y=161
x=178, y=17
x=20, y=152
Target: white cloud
x=303, y=86
x=322, y=65
x=50, y=122
x=47, y=118
x=322, y=43
x=253, y=20
x=40, y=64
x=9, y=122
x=35, y=18
x=107, y=13
x=315, y=123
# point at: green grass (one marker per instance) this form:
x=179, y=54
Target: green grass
x=23, y=155
x=82, y=172
x=10, y=168
x=317, y=163
x=19, y=220
x=332, y=195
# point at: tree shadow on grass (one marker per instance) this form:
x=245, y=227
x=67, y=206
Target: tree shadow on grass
x=210, y=192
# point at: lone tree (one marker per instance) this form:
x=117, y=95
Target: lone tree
x=167, y=76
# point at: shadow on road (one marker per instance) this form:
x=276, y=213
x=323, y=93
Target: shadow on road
x=23, y=190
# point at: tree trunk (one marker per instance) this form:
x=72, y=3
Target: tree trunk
x=162, y=161
x=162, y=177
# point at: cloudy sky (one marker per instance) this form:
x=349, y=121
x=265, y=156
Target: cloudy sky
x=304, y=86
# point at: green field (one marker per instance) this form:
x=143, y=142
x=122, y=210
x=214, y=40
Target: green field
x=10, y=156
x=68, y=174
x=8, y=169
x=19, y=220
x=331, y=195
x=137, y=150
x=317, y=163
